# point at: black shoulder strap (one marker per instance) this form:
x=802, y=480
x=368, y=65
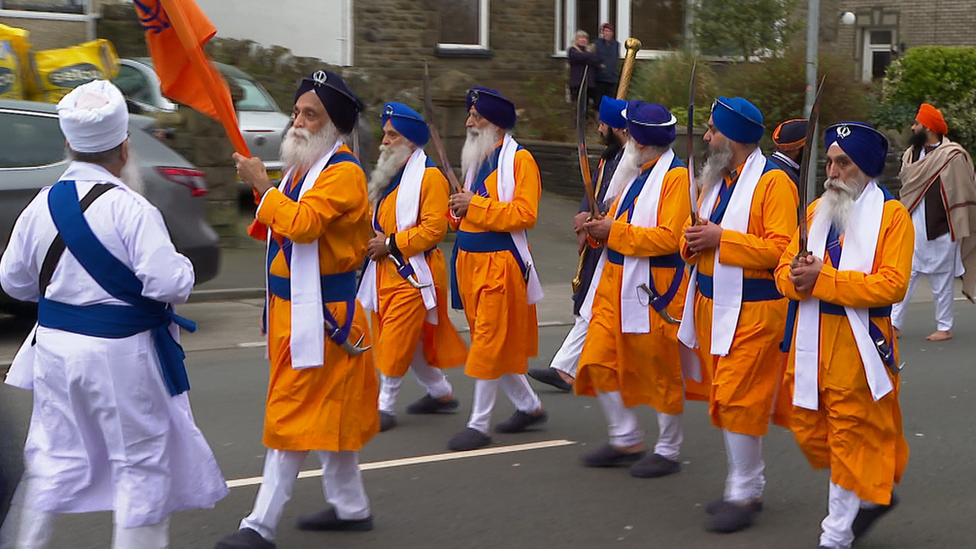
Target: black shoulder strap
x=56, y=250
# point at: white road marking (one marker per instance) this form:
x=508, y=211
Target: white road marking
x=418, y=460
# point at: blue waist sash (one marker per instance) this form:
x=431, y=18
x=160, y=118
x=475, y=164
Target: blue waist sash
x=481, y=243
x=335, y=287
x=884, y=348
x=753, y=289
x=670, y=261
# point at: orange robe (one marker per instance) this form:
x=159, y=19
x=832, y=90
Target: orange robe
x=504, y=327
x=744, y=383
x=332, y=407
x=645, y=368
x=400, y=320
x=860, y=440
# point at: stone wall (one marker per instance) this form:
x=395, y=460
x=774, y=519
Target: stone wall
x=47, y=35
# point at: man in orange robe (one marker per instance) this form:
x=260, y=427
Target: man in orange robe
x=321, y=394
x=631, y=356
x=747, y=213
x=405, y=282
x=494, y=278
x=842, y=369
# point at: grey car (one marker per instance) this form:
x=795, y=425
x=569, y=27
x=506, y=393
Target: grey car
x=261, y=121
x=33, y=155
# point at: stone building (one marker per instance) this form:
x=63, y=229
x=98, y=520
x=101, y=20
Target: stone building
x=53, y=23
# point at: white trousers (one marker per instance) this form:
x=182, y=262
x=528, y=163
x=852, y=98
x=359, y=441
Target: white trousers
x=842, y=508
x=942, y=290
x=625, y=430
x=36, y=528
x=517, y=388
x=745, y=480
x=567, y=357
x=430, y=378
x=342, y=483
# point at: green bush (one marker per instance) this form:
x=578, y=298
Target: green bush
x=547, y=115
x=665, y=81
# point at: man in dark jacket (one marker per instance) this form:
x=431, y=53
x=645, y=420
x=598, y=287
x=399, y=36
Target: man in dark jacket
x=608, y=50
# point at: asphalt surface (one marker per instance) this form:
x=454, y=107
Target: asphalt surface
x=536, y=498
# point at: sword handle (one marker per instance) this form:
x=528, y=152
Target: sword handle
x=630, y=59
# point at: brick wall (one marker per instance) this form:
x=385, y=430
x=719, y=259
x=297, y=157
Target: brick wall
x=46, y=35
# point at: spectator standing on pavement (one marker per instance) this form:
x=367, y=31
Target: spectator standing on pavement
x=789, y=138
x=581, y=55
x=323, y=390
x=608, y=50
x=494, y=279
x=632, y=356
x=939, y=189
x=842, y=368
x=411, y=328
x=613, y=129
x=111, y=427
x=733, y=310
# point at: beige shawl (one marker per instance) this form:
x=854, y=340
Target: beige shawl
x=950, y=162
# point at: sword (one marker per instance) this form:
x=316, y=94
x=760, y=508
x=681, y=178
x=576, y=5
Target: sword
x=349, y=348
x=406, y=271
x=654, y=296
x=804, y=249
x=435, y=136
x=584, y=160
x=692, y=185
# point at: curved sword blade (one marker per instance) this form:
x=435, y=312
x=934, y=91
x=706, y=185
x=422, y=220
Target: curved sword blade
x=804, y=183
x=435, y=136
x=584, y=160
x=692, y=184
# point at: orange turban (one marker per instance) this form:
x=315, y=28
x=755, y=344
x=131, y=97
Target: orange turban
x=931, y=118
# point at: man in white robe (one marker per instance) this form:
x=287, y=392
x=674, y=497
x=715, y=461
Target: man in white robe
x=111, y=427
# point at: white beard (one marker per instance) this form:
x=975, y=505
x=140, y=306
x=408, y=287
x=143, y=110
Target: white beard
x=837, y=202
x=390, y=161
x=301, y=148
x=628, y=168
x=477, y=146
x=716, y=166
x=130, y=174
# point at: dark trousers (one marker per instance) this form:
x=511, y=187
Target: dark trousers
x=605, y=88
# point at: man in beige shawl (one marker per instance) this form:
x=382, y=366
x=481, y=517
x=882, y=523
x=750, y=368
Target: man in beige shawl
x=939, y=189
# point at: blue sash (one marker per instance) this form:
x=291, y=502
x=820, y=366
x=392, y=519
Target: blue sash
x=670, y=261
x=724, y=197
x=481, y=243
x=404, y=268
x=753, y=289
x=111, y=321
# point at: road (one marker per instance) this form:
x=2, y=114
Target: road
x=539, y=496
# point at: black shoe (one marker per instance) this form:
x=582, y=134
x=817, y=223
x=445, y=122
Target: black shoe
x=609, y=456
x=387, y=421
x=713, y=506
x=550, y=376
x=866, y=518
x=244, y=538
x=653, y=466
x=520, y=421
x=468, y=439
x=731, y=517
x=328, y=520
x=430, y=405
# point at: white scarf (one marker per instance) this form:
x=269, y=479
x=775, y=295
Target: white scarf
x=727, y=303
x=505, y=176
x=307, y=315
x=407, y=213
x=860, y=245
x=634, y=318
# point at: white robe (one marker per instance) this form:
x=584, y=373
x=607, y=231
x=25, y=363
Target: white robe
x=105, y=434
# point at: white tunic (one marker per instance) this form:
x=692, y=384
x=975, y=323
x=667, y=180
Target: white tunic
x=105, y=434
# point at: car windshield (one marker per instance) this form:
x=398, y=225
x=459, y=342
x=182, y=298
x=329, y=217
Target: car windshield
x=254, y=98
x=29, y=140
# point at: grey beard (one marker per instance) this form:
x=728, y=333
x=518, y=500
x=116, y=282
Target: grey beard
x=130, y=174
x=837, y=202
x=627, y=169
x=477, y=146
x=390, y=161
x=716, y=166
x=300, y=153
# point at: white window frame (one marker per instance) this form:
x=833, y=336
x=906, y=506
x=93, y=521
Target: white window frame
x=483, y=44
x=562, y=36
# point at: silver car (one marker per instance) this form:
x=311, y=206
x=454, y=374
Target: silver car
x=33, y=155
x=261, y=121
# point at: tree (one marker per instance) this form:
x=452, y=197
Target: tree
x=742, y=28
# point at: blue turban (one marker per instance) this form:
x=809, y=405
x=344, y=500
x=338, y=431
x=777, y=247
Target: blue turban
x=866, y=146
x=341, y=104
x=406, y=121
x=611, y=112
x=492, y=105
x=650, y=124
x=738, y=119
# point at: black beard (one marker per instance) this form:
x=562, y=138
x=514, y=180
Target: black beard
x=917, y=140
x=613, y=143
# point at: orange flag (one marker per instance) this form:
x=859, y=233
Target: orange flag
x=176, y=31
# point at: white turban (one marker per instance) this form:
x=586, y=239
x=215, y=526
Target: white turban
x=94, y=118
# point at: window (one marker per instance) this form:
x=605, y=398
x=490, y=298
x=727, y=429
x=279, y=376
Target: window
x=659, y=24
x=463, y=27
x=56, y=6
x=29, y=140
x=134, y=85
x=876, y=55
